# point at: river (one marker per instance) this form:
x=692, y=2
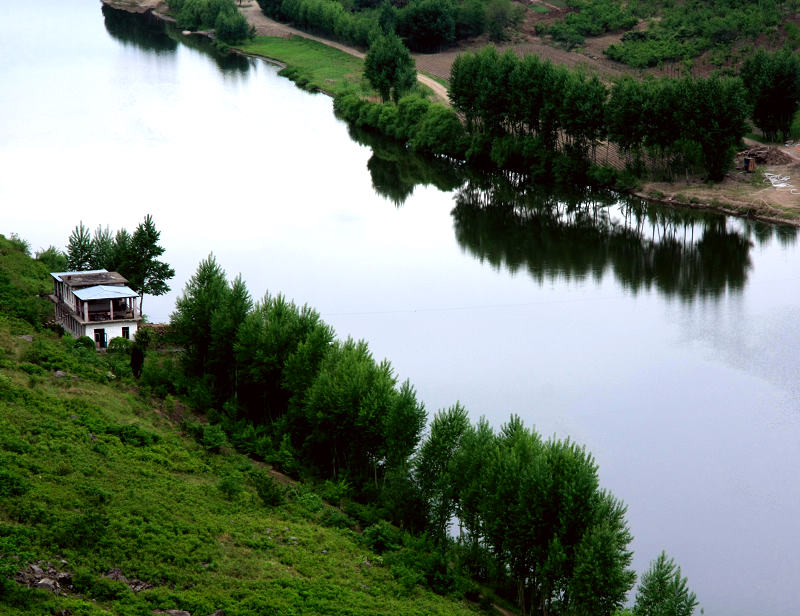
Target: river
x=665, y=341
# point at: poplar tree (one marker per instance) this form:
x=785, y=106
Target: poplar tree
x=389, y=67
x=772, y=81
x=79, y=248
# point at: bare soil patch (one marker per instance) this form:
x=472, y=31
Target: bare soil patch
x=743, y=193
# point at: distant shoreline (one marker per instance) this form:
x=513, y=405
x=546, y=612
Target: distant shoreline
x=732, y=197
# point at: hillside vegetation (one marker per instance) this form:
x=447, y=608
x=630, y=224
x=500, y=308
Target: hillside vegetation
x=673, y=30
x=117, y=497
x=102, y=483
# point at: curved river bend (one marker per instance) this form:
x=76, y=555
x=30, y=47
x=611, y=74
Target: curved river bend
x=665, y=341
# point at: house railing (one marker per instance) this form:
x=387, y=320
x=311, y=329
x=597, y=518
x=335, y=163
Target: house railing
x=124, y=315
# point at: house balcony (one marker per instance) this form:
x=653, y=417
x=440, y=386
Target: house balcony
x=99, y=311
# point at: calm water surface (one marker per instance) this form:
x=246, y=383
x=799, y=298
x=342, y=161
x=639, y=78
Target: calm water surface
x=666, y=342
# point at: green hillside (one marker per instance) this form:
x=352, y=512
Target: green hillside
x=99, y=481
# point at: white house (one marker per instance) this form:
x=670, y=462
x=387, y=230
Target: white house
x=95, y=303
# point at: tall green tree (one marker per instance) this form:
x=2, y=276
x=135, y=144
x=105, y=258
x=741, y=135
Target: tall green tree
x=434, y=469
x=715, y=117
x=120, y=256
x=663, y=592
x=562, y=540
x=191, y=323
x=468, y=473
x=79, y=248
x=772, y=81
x=226, y=319
x=102, y=245
x=346, y=408
x=389, y=67
x=147, y=274
x=428, y=25
x=269, y=374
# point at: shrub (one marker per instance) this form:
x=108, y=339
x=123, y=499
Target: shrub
x=213, y=437
x=381, y=537
x=12, y=484
x=98, y=587
x=13, y=554
x=84, y=342
x=336, y=519
x=334, y=491
x=7, y=389
x=267, y=488
x=310, y=501
x=231, y=485
x=232, y=27
x=120, y=345
x=133, y=434
x=83, y=531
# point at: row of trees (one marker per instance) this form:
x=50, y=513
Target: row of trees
x=773, y=89
x=531, y=515
x=427, y=127
x=424, y=25
x=284, y=383
x=533, y=521
x=134, y=255
x=515, y=107
x=528, y=116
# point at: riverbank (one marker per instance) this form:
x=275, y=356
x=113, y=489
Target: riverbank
x=329, y=66
x=771, y=193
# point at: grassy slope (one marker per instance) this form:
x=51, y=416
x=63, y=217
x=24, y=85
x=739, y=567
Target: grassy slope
x=94, y=473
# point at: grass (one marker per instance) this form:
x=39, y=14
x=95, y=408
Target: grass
x=538, y=8
x=439, y=80
x=313, y=65
x=102, y=478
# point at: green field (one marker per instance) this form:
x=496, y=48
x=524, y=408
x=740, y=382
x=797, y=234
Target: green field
x=312, y=65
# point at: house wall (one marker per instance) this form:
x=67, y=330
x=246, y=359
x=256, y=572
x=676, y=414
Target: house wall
x=113, y=329
x=68, y=321
x=65, y=294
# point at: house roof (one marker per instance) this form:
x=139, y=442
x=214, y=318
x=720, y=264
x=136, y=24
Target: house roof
x=89, y=278
x=105, y=292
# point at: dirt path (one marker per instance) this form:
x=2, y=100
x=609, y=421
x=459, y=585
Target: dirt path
x=269, y=27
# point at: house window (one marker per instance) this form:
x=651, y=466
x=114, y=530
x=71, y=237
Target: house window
x=126, y=333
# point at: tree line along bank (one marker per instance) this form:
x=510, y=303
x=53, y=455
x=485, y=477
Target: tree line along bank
x=535, y=526
x=528, y=116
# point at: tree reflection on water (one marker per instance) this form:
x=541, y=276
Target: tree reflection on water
x=553, y=234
